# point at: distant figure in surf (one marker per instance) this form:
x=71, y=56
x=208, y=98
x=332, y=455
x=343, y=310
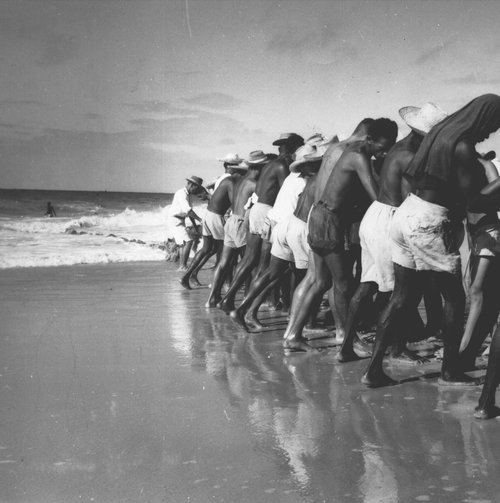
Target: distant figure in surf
x=51, y=212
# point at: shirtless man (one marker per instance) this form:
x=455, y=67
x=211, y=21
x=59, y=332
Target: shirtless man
x=445, y=173
x=213, y=223
x=266, y=190
x=285, y=253
x=328, y=220
x=235, y=229
x=318, y=279
x=377, y=271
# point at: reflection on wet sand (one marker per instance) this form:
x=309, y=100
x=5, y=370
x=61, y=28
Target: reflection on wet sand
x=160, y=400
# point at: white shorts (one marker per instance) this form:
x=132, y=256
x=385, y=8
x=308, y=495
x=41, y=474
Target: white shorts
x=213, y=225
x=258, y=221
x=180, y=234
x=290, y=242
x=424, y=238
x=376, y=255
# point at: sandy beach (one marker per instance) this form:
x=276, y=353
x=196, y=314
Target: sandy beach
x=117, y=385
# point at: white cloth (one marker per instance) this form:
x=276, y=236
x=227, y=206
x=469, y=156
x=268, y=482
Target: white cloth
x=287, y=198
x=181, y=204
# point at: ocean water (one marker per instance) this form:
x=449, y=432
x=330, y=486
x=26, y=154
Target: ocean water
x=90, y=227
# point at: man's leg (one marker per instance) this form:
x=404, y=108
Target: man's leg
x=259, y=288
x=197, y=260
x=228, y=256
x=364, y=290
x=405, y=288
x=486, y=408
x=216, y=248
x=303, y=299
x=243, y=271
x=184, y=255
x=453, y=293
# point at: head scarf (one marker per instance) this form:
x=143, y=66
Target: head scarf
x=474, y=121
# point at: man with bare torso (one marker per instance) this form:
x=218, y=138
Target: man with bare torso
x=424, y=232
x=236, y=228
x=266, y=190
x=327, y=222
x=377, y=267
x=213, y=223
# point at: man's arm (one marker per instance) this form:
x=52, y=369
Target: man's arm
x=468, y=167
x=361, y=165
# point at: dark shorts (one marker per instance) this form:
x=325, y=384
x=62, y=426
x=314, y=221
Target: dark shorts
x=326, y=229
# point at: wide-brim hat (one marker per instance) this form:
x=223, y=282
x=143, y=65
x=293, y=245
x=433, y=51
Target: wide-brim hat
x=329, y=141
x=230, y=159
x=242, y=166
x=257, y=157
x=289, y=138
x=315, y=139
x=306, y=153
x=196, y=180
x=422, y=119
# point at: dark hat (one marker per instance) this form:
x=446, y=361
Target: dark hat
x=292, y=138
x=196, y=180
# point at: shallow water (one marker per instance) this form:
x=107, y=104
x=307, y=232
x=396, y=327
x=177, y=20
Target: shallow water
x=117, y=385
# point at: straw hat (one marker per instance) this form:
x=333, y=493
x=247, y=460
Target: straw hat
x=289, y=138
x=196, y=180
x=242, y=166
x=422, y=119
x=304, y=154
x=315, y=139
x=230, y=159
x=257, y=157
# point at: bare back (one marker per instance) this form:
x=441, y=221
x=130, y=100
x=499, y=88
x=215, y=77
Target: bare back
x=244, y=188
x=393, y=187
x=271, y=179
x=222, y=198
x=351, y=173
x=332, y=155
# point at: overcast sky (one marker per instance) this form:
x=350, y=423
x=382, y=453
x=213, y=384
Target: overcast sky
x=134, y=95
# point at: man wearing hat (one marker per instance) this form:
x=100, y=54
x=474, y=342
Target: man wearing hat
x=266, y=190
x=213, y=222
x=181, y=209
x=284, y=253
x=377, y=268
x=229, y=161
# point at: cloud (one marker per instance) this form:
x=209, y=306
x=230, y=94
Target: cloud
x=293, y=39
x=432, y=53
x=93, y=116
x=21, y=103
x=472, y=78
x=216, y=101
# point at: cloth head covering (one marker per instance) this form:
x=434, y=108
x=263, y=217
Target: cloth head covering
x=474, y=121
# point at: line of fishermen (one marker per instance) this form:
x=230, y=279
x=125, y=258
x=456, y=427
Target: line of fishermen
x=303, y=211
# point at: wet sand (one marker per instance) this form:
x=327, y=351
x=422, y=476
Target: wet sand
x=116, y=385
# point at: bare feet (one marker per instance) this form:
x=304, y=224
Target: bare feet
x=297, y=346
x=238, y=318
x=363, y=350
x=487, y=412
x=182, y=268
x=378, y=380
x=226, y=306
x=408, y=357
x=196, y=281
x=347, y=355
x=211, y=303
x=458, y=380
x=185, y=283
x=252, y=322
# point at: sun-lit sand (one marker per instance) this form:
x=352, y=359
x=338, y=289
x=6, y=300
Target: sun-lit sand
x=116, y=385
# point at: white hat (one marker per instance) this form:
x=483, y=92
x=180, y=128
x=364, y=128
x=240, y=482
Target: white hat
x=316, y=139
x=422, y=119
x=257, y=157
x=231, y=159
x=306, y=153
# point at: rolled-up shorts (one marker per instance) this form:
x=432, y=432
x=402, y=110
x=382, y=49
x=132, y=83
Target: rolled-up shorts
x=485, y=240
x=326, y=229
x=258, y=221
x=180, y=234
x=235, y=231
x=376, y=247
x=424, y=238
x=296, y=237
x=213, y=225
